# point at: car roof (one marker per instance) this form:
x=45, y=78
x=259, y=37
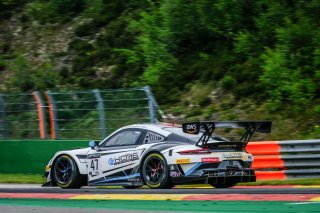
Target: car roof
x=156, y=127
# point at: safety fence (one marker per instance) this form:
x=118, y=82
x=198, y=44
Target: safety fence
x=280, y=160
x=19, y=115
x=71, y=115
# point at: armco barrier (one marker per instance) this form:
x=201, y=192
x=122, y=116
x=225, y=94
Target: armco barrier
x=19, y=156
x=279, y=160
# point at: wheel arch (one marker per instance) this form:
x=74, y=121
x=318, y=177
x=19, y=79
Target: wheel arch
x=81, y=166
x=81, y=169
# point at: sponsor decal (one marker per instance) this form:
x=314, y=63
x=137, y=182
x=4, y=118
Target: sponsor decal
x=210, y=160
x=175, y=174
x=232, y=155
x=191, y=128
x=183, y=161
x=97, y=155
x=123, y=159
x=111, y=161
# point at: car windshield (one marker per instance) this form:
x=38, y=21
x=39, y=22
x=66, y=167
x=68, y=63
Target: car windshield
x=192, y=137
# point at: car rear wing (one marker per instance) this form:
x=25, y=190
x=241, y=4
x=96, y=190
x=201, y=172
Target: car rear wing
x=207, y=128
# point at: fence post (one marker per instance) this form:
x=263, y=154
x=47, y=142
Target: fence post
x=3, y=118
x=53, y=115
x=152, y=104
x=41, y=115
x=102, y=116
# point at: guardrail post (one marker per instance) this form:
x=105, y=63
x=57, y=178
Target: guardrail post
x=152, y=104
x=41, y=115
x=102, y=116
x=3, y=118
x=53, y=115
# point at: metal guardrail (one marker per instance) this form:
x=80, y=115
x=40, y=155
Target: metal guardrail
x=286, y=159
x=94, y=113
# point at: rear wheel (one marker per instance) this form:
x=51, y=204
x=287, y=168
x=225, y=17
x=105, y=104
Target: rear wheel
x=223, y=185
x=155, y=172
x=66, y=173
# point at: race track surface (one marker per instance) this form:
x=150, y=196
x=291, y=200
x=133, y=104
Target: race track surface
x=34, y=188
x=269, y=199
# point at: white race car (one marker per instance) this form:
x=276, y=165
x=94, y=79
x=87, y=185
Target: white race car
x=160, y=156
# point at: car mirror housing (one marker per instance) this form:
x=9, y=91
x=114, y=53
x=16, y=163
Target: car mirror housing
x=93, y=144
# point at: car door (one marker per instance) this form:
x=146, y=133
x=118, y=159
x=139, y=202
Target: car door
x=113, y=160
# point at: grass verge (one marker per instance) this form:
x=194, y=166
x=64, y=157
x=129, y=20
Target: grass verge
x=22, y=178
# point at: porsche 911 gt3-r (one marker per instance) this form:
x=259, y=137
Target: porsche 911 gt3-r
x=160, y=156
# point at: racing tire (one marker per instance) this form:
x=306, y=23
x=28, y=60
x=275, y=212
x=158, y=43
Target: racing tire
x=223, y=185
x=155, y=172
x=66, y=173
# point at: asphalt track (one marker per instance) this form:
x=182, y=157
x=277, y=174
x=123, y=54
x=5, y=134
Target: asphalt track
x=269, y=199
x=34, y=188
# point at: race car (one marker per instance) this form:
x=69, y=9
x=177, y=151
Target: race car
x=160, y=156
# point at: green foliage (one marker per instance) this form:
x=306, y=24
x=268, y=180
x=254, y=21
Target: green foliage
x=205, y=101
x=25, y=78
x=228, y=82
x=54, y=10
x=268, y=51
x=21, y=79
x=8, y=6
x=285, y=85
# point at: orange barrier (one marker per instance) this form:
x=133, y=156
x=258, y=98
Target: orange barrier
x=267, y=156
x=268, y=161
x=271, y=175
x=51, y=115
x=264, y=148
x=40, y=116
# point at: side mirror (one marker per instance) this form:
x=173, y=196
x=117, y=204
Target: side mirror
x=93, y=144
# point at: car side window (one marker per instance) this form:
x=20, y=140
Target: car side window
x=152, y=137
x=124, y=138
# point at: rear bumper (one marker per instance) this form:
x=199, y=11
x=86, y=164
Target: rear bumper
x=218, y=177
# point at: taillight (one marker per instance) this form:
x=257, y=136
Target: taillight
x=195, y=152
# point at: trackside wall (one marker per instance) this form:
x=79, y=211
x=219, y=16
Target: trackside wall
x=31, y=156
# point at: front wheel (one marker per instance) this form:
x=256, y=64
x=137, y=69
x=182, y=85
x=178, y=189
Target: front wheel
x=66, y=174
x=223, y=185
x=155, y=172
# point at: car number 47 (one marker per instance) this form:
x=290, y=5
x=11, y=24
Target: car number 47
x=94, y=169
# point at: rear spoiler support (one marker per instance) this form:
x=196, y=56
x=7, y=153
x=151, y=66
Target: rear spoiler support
x=208, y=128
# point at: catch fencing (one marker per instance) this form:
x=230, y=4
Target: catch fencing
x=280, y=160
x=20, y=116
x=72, y=115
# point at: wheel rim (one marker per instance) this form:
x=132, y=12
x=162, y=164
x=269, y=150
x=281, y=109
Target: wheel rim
x=154, y=170
x=64, y=170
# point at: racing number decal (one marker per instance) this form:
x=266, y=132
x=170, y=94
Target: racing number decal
x=94, y=164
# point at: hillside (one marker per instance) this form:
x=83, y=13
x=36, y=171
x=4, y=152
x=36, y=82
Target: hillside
x=212, y=60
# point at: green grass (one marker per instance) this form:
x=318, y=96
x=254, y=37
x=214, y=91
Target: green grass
x=302, y=181
x=22, y=178
x=38, y=179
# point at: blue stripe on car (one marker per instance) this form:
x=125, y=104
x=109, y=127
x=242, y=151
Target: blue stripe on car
x=118, y=178
x=192, y=169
